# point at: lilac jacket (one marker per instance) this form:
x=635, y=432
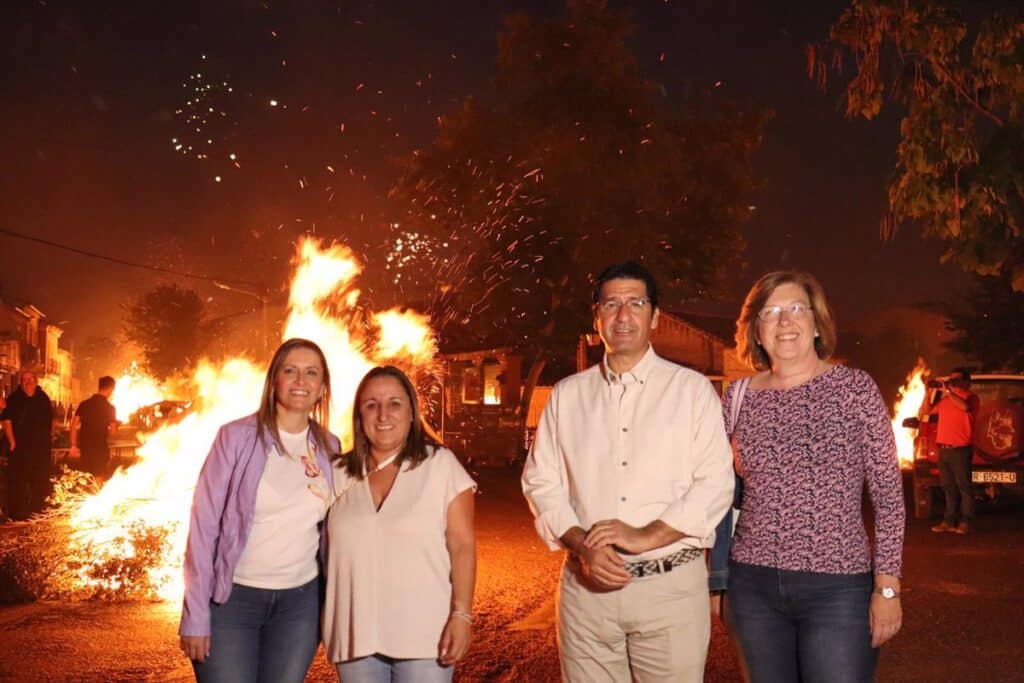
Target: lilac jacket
x=222, y=513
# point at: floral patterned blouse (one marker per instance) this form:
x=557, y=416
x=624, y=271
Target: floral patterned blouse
x=806, y=454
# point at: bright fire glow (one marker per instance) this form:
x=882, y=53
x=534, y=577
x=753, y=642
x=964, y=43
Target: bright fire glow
x=907, y=404
x=135, y=389
x=402, y=332
x=492, y=384
x=50, y=384
x=157, y=491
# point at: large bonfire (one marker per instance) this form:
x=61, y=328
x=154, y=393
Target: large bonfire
x=128, y=539
x=907, y=405
x=136, y=389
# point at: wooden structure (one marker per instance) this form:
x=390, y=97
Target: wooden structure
x=480, y=418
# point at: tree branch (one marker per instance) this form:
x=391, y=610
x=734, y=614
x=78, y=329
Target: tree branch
x=945, y=74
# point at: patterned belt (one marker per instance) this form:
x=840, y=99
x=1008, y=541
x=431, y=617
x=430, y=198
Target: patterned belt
x=663, y=564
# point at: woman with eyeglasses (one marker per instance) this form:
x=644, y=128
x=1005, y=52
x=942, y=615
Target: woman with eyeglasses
x=809, y=597
x=401, y=552
x=252, y=572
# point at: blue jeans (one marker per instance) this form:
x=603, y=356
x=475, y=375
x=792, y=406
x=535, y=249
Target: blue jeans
x=262, y=636
x=381, y=669
x=718, y=565
x=801, y=627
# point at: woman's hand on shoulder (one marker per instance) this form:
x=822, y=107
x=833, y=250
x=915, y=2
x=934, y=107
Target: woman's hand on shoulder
x=455, y=639
x=196, y=647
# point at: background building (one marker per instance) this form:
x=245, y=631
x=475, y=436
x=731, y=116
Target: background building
x=27, y=340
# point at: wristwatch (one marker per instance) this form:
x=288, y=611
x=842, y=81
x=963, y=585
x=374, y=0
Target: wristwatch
x=887, y=592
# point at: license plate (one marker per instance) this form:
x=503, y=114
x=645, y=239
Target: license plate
x=994, y=477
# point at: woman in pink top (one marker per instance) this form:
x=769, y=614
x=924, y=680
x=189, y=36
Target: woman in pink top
x=808, y=598
x=401, y=554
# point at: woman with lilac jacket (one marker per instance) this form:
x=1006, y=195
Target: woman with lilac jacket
x=252, y=574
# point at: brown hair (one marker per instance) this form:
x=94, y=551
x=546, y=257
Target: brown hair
x=415, y=448
x=266, y=416
x=749, y=349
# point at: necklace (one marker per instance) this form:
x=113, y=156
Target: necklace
x=384, y=464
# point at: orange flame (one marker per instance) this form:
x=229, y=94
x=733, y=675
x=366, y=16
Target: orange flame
x=157, y=491
x=911, y=394
x=135, y=389
x=402, y=332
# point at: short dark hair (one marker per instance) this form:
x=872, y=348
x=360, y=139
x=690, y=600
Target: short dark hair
x=628, y=270
x=106, y=382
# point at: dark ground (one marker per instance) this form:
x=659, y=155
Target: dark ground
x=962, y=597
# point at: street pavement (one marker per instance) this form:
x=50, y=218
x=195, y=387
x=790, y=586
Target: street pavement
x=962, y=602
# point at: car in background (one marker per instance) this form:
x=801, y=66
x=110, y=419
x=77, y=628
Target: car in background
x=148, y=418
x=997, y=465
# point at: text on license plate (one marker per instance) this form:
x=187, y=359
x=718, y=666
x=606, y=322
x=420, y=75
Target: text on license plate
x=994, y=477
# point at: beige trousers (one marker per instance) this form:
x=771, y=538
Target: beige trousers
x=654, y=629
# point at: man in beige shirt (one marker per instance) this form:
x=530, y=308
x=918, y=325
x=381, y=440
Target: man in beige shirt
x=630, y=472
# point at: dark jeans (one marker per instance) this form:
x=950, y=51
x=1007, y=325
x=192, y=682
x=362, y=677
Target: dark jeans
x=801, y=627
x=262, y=636
x=28, y=484
x=718, y=564
x=955, y=477
x=96, y=462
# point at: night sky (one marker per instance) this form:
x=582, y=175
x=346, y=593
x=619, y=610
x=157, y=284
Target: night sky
x=96, y=101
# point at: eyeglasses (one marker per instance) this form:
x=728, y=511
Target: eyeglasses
x=612, y=306
x=796, y=310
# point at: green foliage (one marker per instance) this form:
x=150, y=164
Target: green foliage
x=170, y=325
x=990, y=325
x=576, y=162
x=960, y=161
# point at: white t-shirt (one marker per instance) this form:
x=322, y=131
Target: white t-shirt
x=282, y=546
x=388, y=571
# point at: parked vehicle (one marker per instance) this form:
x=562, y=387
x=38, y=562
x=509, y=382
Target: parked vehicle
x=998, y=440
x=148, y=418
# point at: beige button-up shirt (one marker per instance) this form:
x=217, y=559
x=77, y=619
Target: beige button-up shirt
x=645, y=445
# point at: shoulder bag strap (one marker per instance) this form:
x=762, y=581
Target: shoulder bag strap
x=736, y=403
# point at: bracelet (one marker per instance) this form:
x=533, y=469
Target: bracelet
x=463, y=615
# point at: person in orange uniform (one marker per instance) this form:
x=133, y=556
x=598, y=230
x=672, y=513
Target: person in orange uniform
x=955, y=414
